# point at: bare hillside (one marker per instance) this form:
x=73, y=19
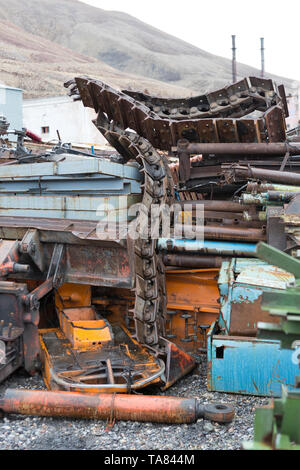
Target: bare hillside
x=123, y=42
x=40, y=67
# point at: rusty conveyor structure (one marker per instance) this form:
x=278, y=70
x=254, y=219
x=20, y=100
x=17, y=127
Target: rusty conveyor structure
x=233, y=146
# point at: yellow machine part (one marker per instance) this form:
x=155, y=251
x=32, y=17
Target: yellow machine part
x=192, y=305
x=90, y=370
x=87, y=337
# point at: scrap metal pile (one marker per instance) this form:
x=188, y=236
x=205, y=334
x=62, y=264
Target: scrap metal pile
x=105, y=313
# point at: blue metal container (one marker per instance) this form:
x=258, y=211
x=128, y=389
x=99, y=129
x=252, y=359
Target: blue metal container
x=238, y=362
x=248, y=366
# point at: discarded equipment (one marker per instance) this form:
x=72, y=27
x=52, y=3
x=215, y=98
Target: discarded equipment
x=238, y=361
x=277, y=425
x=113, y=407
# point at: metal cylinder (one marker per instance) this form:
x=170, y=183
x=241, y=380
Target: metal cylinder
x=277, y=148
x=268, y=198
x=214, y=232
x=212, y=247
x=262, y=57
x=193, y=261
x=111, y=406
x=285, y=177
x=262, y=188
x=220, y=206
x=233, y=59
x=281, y=196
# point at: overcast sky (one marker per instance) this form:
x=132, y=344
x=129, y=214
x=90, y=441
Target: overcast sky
x=210, y=24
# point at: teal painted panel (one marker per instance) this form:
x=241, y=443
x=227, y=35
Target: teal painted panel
x=249, y=366
x=65, y=203
x=70, y=167
x=117, y=216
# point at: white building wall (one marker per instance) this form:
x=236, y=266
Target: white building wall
x=70, y=118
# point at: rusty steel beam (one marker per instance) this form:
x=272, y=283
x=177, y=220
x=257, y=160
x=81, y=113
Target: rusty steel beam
x=277, y=148
x=112, y=406
x=192, y=261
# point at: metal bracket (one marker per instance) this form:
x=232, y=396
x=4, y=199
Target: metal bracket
x=32, y=246
x=54, y=270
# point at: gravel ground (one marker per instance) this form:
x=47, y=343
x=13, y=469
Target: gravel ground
x=36, y=433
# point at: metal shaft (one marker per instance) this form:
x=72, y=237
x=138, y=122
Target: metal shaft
x=285, y=177
x=214, y=232
x=262, y=188
x=262, y=53
x=277, y=148
x=222, y=206
x=233, y=59
x=206, y=247
x=112, y=406
x=193, y=261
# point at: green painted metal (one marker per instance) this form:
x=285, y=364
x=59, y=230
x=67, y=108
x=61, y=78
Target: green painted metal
x=278, y=425
x=278, y=258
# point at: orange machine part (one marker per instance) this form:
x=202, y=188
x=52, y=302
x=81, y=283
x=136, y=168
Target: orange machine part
x=100, y=406
x=193, y=305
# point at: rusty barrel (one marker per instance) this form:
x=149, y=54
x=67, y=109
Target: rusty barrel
x=111, y=406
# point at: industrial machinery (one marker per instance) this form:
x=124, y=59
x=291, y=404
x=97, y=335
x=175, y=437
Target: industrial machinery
x=99, y=296
x=277, y=425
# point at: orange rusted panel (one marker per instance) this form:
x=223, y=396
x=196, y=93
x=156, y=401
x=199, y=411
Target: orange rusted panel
x=193, y=289
x=97, y=369
x=73, y=295
x=193, y=305
x=82, y=328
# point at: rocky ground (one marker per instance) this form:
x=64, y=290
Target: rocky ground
x=35, y=433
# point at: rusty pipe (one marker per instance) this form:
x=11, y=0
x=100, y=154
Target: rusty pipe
x=285, y=177
x=276, y=148
x=192, y=261
x=254, y=187
x=214, y=232
x=112, y=406
x=220, y=206
x=234, y=233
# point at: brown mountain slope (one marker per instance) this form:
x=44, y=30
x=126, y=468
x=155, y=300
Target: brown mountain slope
x=124, y=43
x=40, y=67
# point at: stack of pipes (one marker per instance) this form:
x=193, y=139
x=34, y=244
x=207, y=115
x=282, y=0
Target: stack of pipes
x=255, y=177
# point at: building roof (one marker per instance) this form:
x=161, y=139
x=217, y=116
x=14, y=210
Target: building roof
x=2, y=85
x=48, y=100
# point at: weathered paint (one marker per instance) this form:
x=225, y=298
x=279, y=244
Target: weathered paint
x=266, y=276
x=112, y=208
x=238, y=361
x=248, y=366
x=91, y=184
x=242, y=281
x=73, y=166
